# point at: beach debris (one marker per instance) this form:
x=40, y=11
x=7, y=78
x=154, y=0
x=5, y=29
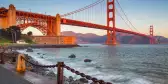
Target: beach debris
x=87, y=60
x=29, y=49
x=72, y=56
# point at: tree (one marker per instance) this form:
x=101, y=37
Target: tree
x=14, y=33
x=29, y=33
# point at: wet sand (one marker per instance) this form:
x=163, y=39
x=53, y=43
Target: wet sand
x=12, y=77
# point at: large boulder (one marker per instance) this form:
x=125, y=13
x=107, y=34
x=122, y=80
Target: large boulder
x=87, y=60
x=83, y=80
x=72, y=56
x=29, y=49
x=71, y=79
x=41, y=57
x=80, y=81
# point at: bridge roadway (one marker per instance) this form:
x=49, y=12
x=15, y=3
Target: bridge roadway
x=97, y=26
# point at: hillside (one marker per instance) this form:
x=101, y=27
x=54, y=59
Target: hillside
x=121, y=38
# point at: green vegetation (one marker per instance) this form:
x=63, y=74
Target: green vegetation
x=27, y=39
x=13, y=34
x=4, y=40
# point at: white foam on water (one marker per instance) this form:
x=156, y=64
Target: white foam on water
x=78, y=65
x=139, y=81
x=36, y=57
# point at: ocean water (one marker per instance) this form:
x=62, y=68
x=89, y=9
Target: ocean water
x=122, y=64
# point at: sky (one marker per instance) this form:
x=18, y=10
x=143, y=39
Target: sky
x=142, y=13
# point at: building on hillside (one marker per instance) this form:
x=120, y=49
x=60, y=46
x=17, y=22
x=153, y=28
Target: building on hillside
x=21, y=42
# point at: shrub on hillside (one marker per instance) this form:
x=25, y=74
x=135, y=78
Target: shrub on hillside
x=27, y=39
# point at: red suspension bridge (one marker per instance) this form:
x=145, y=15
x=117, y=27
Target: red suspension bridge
x=84, y=17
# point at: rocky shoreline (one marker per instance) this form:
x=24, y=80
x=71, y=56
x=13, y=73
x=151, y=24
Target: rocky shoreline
x=10, y=56
x=25, y=46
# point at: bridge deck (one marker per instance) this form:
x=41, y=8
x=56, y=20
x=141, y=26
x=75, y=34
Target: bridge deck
x=97, y=26
x=70, y=22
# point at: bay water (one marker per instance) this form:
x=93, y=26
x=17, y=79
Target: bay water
x=121, y=64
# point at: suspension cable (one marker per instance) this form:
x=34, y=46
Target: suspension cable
x=123, y=19
x=126, y=16
x=84, y=8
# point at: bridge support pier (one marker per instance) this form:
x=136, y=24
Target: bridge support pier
x=111, y=35
x=57, y=26
x=54, y=26
x=49, y=27
x=10, y=19
x=151, y=39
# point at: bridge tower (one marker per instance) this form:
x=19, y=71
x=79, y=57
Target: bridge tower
x=49, y=27
x=152, y=39
x=111, y=35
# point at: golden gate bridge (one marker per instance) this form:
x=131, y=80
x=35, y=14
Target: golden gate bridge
x=88, y=17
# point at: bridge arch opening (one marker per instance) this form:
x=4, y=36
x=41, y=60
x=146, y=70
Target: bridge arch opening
x=35, y=31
